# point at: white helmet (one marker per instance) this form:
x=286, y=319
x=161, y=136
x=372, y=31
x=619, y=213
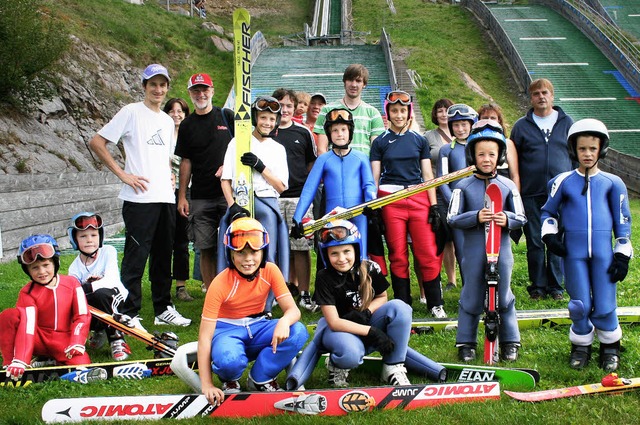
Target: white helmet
x=588, y=126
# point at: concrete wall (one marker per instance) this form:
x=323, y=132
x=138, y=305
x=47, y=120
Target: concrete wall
x=45, y=203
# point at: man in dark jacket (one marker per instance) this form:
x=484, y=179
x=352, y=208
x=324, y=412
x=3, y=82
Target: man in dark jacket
x=541, y=141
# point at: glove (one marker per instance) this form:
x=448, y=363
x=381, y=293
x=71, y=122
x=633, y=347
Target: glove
x=361, y=317
x=375, y=222
x=74, y=350
x=252, y=160
x=439, y=228
x=296, y=230
x=553, y=241
x=619, y=267
x=16, y=369
x=87, y=287
x=380, y=340
x=236, y=211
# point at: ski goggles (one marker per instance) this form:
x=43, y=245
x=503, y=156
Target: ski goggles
x=256, y=239
x=42, y=250
x=267, y=105
x=339, y=115
x=399, y=96
x=486, y=124
x=338, y=233
x=462, y=110
x=84, y=222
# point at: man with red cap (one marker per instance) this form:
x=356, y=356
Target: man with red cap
x=202, y=143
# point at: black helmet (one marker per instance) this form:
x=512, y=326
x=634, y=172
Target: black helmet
x=339, y=116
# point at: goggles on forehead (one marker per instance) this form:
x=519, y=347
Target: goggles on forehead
x=399, y=96
x=85, y=222
x=339, y=114
x=42, y=250
x=484, y=124
x=267, y=105
x=338, y=233
x=256, y=239
x=462, y=110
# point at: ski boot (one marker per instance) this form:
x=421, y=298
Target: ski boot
x=610, y=356
x=580, y=356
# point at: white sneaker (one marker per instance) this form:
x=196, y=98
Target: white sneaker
x=134, y=322
x=438, y=312
x=267, y=387
x=395, y=374
x=423, y=300
x=337, y=377
x=171, y=317
x=307, y=303
x=231, y=387
x=120, y=350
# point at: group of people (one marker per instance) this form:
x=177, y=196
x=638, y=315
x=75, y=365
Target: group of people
x=342, y=155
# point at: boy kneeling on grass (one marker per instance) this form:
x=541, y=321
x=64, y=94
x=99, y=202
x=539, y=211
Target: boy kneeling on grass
x=596, y=205
x=51, y=317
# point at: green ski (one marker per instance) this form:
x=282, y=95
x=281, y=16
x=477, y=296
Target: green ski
x=243, y=184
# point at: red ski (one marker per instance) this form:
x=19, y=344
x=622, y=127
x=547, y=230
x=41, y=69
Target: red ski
x=328, y=402
x=614, y=385
x=492, y=201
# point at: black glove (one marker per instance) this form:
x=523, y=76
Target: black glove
x=380, y=340
x=375, y=222
x=553, y=241
x=361, y=317
x=252, y=160
x=296, y=230
x=619, y=267
x=87, y=287
x=439, y=228
x=236, y=211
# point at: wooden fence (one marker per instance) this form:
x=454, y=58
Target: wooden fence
x=45, y=203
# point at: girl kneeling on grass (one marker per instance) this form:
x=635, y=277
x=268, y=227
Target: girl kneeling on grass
x=358, y=318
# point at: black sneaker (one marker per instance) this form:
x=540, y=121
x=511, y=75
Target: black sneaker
x=509, y=352
x=557, y=296
x=466, y=353
x=580, y=356
x=610, y=356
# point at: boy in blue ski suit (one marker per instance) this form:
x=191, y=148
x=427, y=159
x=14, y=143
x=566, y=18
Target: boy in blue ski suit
x=597, y=205
x=486, y=149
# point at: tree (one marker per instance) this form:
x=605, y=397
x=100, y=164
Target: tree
x=31, y=40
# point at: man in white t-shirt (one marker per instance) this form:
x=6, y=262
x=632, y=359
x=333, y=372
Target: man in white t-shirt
x=148, y=210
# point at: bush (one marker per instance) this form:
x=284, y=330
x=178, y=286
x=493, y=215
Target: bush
x=30, y=42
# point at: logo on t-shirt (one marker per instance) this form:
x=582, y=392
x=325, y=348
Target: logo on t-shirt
x=156, y=139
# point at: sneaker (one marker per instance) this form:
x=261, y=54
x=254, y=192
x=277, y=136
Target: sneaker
x=536, y=296
x=337, y=377
x=183, y=295
x=580, y=356
x=42, y=362
x=395, y=375
x=557, y=296
x=131, y=322
x=610, y=356
x=509, y=352
x=450, y=286
x=266, y=387
x=423, y=300
x=466, y=353
x=171, y=317
x=231, y=387
x=438, y=312
x=97, y=339
x=203, y=288
x=307, y=303
x=120, y=350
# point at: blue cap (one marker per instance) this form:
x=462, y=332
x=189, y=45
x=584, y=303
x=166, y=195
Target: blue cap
x=153, y=70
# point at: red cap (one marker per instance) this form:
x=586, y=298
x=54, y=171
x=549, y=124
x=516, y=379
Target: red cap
x=200, y=80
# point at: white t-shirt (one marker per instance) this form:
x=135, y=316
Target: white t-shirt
x=148, y=142
x=105, y=265
x=545, y=124
x=274, y=157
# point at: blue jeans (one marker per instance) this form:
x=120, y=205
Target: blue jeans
x=545, y=270
x=347, y=350
x=234, y=346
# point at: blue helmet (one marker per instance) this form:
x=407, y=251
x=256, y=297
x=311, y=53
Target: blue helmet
x=83, y=221
x=336, y=233
x=486, y=130
x=460, y=112
x=34, y=246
